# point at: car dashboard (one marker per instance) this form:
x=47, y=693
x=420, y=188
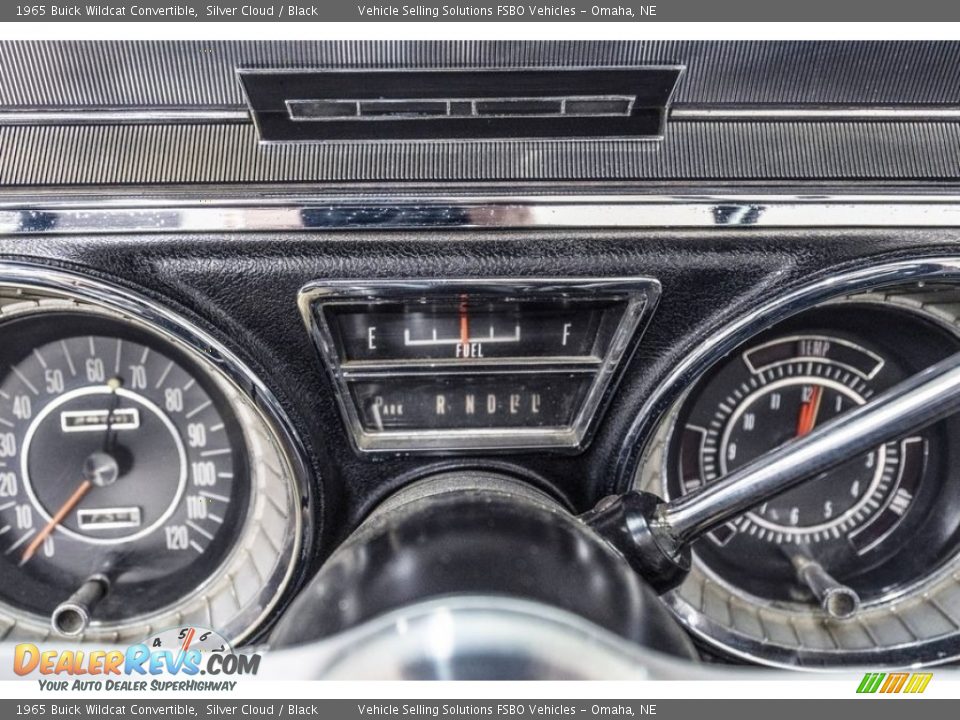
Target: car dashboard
x=302, y=389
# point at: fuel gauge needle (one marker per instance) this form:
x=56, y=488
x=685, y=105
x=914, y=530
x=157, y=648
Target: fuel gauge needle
x=809, y=411
x=57, y=518
x=464, y=326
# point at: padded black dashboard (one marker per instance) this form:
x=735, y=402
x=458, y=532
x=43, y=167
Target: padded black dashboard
x=243, y=288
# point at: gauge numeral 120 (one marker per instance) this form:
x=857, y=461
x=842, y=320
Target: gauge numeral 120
x=178, y=537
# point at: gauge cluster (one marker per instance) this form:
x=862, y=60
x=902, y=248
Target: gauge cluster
x=185, y=447
x=483, y=364
x=119, y=464
x=232, y=372
x=883, y=527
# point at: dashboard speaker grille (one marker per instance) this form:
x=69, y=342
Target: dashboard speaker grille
x=477, y=104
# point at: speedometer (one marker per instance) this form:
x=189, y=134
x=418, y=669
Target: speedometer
x=121, y=465
x=140, y=487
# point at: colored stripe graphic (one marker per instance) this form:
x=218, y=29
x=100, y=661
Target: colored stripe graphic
x=894, y=682
x=899, y=682
x=871, y=682
x=918, y=682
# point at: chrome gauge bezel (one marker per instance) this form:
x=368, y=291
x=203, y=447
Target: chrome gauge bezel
x=909, y=625
x=639, y=295
x=237, y=598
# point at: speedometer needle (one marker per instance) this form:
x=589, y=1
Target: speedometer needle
x=57, y=518
x=809, y=411
x=100, y=469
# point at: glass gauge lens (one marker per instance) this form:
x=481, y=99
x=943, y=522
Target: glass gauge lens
x=881, y=532
x=474, y=330
x=529, y=400
x=119, y=459
x=768, y=410
x=501, y=365
x=780, y=388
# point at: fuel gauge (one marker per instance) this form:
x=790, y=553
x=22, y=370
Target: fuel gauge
x=491, y=364
x=466, y=329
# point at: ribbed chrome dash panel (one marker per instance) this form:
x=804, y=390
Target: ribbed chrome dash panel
x=174, y=154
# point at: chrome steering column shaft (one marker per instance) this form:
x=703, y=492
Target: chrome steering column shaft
x=655, y=535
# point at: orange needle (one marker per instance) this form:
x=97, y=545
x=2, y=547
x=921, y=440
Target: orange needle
x=809, y=411
x=464, y=326
x=187, y=640
x=185, y=645
x=56, y=520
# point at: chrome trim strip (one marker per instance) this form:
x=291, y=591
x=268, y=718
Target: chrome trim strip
x=43, y=215
x=785, y=113
x=124, y=116
x=146, y=115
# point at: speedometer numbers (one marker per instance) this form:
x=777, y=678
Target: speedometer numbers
x=782, y=390
x=142, y=440
x=148, y=479
x=118, y=468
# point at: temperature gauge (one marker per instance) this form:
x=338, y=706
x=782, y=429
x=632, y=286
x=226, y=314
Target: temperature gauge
x=458, y=365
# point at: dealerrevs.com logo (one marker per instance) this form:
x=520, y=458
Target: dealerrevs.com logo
x=894, y=683
x=171, y=660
